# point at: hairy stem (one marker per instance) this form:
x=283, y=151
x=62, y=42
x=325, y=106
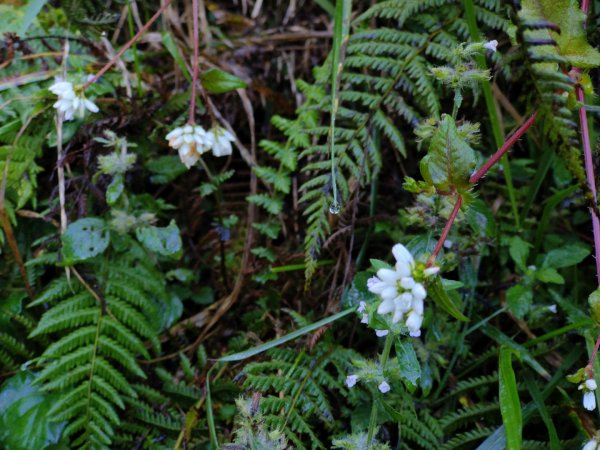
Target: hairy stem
x=502, y=150
x=127, y=45
x=389, y=340
x=445, y=231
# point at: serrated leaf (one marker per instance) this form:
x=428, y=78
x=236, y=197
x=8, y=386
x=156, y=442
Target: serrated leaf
x=566, y=256
x=519, y=251
x=572, y=41
x=114, y=190
x=84, y=239
x=410, y=370
x=217, y=81
x=519, y=300
x=549, y=275
x=450, y=160
x=438, y=294
x=164, y=241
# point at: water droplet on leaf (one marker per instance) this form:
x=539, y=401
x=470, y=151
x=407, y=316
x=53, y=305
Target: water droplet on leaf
x=335, y=208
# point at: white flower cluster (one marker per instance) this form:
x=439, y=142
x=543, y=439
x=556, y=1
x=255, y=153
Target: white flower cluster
x=402, y=290
x=193, y=140
x=589, y=397
x=69, y=102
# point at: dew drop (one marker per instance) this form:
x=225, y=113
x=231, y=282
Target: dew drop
x=335, y=208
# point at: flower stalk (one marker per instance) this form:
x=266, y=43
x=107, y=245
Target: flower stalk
x=385, y=355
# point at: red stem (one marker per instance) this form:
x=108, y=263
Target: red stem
x=594, y=353
x=195, y=62
x=445, y=231
x=126, y=46
x=502, y=150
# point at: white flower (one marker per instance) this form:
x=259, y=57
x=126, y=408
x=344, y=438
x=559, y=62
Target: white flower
x=448, y=243
x=552, y=308
x=381, y=333
x=491, y=45
x=592, y=444
x=365, y=319
x=351, y=380
x=384, y=387
x=191, y=141
x=589, y=398
x=221, y=141
x=361, y=306
x=401, y=289
x=69, y=102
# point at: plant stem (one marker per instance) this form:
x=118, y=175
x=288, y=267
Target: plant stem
x=594, y=352
x=502, y=150
x=389, y=340
x=445, y=231
x=195, y=63
x=491, y=107
x=127, y=45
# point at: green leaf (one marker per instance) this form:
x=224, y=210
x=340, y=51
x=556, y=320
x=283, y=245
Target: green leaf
x=164, y=241
x=83, y=240
x=438, y=294
x=379, y=264
x=572, y=39
x=519, y=299
x=114, y=190
x=549, y=275
x=170, y=45
x=31, y=11
x=165, y=169
x=410, y=370
x=450, y=161
x=217, y=81
x=288, y=337
x=594, y=302
x=24, y=419
x=519, y=251
x=510, y=406
x=566, y=256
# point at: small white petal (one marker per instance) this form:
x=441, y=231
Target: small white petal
x=418, y=306
x=403, y=269
x=552, y=309
x=188, y=129
x=386, y=306
x=491, y=45
x=591, y=445
x=375, y=285
x=407, y=283
x=351, y=380
x=365, y=319
x=589, y=401
x=384, y=387
x=413, y=322
x=188, y=138
x=431, y=271
x=402, y=254
x=591, y=384
x=176, y=142
x=389, y=292
x=448, y=243
x=403, y=302
x=388, y=276
x=91, y=106
x=381, y=333
x=419, y=291
x=361, y=306
x=174, y=133
x=398, y=315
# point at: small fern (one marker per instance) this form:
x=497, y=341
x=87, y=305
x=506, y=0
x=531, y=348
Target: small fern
x=99, y=334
